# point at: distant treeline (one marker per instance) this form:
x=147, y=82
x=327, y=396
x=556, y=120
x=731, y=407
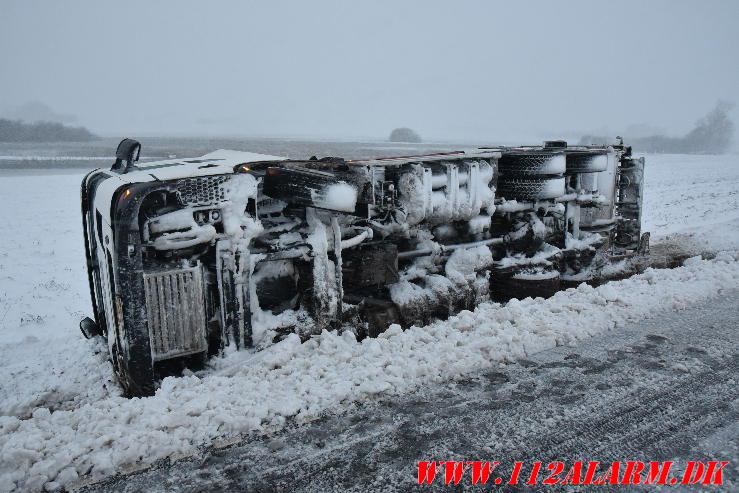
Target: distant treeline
x=18, y=131
x=712, y=135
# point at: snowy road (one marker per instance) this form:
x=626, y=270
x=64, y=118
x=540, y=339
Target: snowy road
x=661, y=389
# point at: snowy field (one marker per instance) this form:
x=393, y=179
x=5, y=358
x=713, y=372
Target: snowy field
x=62, y=420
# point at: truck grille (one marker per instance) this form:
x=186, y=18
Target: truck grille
x=203, y=190
x=176, y=312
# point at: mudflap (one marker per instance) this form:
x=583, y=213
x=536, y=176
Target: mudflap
x=630, y=192
x=323, y=294
x=234, y=267
x=319, y=277
x=643, y=248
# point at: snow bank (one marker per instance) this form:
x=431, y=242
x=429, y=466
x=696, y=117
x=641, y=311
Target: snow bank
x=247, y=392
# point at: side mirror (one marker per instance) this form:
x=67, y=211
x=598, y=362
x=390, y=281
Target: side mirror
x=89, y=328
x=129, y=151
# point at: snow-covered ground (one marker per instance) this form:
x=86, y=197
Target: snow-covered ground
x=61, y=415
x=692, y=201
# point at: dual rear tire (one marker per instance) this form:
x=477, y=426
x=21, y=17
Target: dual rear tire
x=532, y=188
x=531, y=175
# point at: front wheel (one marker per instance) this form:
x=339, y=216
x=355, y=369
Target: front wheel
x=135, y=376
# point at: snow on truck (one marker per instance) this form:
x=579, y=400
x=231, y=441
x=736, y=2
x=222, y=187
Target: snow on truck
x=232, y=249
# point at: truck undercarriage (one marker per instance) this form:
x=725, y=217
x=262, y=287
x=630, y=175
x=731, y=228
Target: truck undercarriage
x=240, y=251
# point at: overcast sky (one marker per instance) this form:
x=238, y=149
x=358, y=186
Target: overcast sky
x=485, y=70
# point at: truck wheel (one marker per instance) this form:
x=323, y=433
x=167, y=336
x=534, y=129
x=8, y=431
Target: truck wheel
x=137, y=379
x=531, y=188
x=586, y=162
x=531, y=164
x=520, y=286
x=120, y=370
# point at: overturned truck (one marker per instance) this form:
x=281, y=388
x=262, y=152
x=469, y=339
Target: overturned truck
x=189, y=256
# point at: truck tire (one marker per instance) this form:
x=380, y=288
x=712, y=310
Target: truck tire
x=586, y=162
x=532, y=164
x=134, y=370
x=531, y=188
x=520, y=286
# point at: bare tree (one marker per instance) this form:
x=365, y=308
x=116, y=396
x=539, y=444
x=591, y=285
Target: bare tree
x=712, y=135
